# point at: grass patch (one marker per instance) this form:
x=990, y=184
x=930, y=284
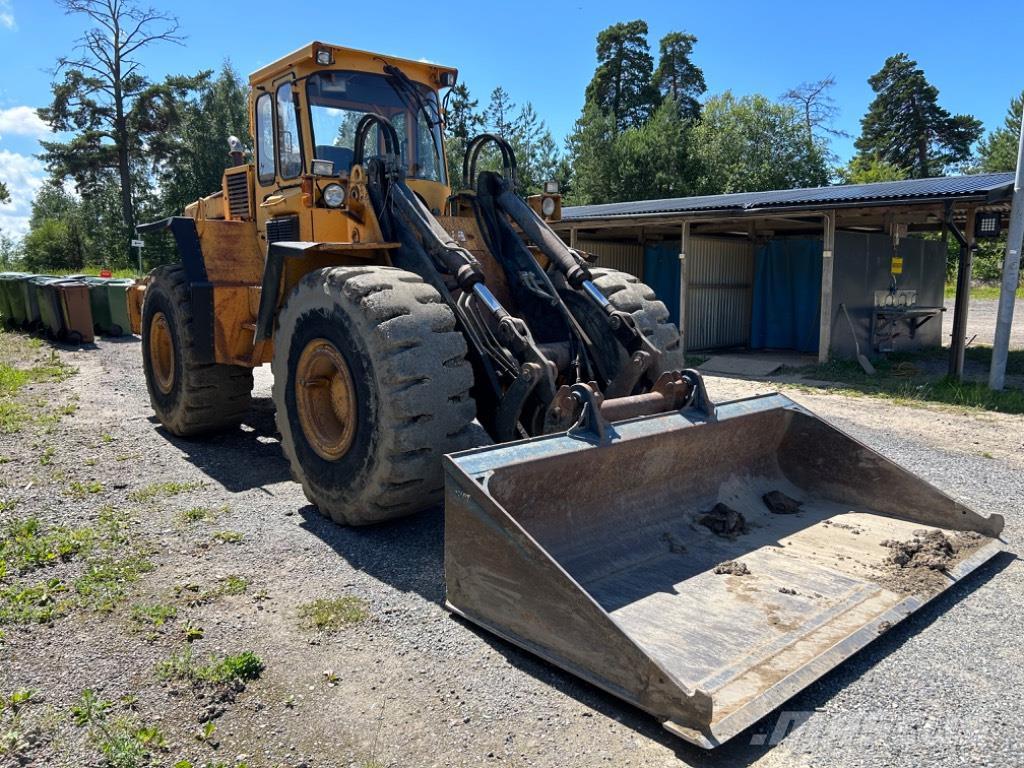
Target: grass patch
x=982, y=291
x=332, y=614
x=25, y=545
x=22, y=362
x=162, y=490
x=900, y=379
x=239, y=668
x=79, y=490
x=228, y=537
x=201, y=514
x=100, y=563
x=194, y=594
x=153, y=614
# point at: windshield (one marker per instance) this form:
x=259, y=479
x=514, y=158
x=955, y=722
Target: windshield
x=337, y=101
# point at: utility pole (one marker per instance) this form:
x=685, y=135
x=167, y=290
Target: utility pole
x=1011, y=275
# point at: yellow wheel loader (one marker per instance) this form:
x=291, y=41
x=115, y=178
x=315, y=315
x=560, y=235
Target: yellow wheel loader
x=703, y=562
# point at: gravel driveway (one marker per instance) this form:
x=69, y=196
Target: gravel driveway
x=412, y=686
x=981, y=322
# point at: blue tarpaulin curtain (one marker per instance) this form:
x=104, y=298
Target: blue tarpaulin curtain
x=661, y=272
x=787, y=295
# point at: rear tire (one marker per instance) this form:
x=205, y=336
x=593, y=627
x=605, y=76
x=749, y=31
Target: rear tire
x=371, y=387
x=627, y=294
x=190, y=398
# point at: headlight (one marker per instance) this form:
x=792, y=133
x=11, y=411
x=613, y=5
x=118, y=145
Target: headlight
x=547, y=206
x=334, y=195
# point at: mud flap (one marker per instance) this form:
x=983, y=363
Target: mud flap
x=611, y=561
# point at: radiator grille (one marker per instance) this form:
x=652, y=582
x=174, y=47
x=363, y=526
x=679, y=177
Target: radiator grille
x=238, y=196
x=283, y=228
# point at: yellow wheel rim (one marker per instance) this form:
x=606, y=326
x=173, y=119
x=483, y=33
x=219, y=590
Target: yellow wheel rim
x=161, y=352
x=325, y=399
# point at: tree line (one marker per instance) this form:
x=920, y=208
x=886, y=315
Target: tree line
x=138, y=149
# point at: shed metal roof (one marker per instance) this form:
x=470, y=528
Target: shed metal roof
x=989, y=187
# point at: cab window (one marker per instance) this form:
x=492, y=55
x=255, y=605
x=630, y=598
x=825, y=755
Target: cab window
x=289, y=148
x=265, y=138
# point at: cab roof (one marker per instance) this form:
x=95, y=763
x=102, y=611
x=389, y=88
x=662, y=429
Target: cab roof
x=304, y=61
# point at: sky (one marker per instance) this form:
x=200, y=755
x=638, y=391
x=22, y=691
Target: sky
x=544, y=52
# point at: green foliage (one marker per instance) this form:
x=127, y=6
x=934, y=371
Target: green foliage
x=331, y=614
x=905, y=125
x=5, y=195
x=998, y=150
x=751, y=144
x=123, y=741
x=228, y=537
x=864, y=169
x=199, y=153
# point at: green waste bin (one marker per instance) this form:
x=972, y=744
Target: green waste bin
x=13, y=297
x=30, y=287
x=44, y=307
x=108, y=297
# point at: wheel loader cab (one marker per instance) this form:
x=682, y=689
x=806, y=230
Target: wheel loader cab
x=304, y=112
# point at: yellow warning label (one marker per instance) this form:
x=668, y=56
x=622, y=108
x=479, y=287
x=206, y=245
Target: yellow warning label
x=897, y=265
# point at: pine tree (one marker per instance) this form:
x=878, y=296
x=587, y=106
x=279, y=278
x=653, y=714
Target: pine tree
x=5, y=196
x=623, y=85
x=677, y=76
x=998, y=150
x=905, y=125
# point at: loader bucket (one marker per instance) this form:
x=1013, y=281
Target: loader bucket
x=602, y=558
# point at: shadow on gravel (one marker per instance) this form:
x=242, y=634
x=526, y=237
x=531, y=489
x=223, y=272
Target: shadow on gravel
x=241, y=459
x=407, y=553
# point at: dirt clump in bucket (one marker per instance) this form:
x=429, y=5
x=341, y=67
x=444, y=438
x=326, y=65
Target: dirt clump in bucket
x=928, y=549
x=917, y=566
x=732, y=568
x=779, y=503
x=724, y=521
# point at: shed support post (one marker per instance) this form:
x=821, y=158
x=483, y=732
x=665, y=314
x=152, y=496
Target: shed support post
x=684, y=245
x=1011, y=275
x=572, y=237
x=827, y=258
x=958, y=343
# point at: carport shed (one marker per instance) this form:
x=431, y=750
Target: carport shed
x=772, y=269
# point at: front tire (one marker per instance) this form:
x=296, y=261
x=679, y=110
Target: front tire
x=190, y=398
x=627, y=294
x=371, y=387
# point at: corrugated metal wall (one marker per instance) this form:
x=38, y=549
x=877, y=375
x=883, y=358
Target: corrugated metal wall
x=719, y=292
x=625, y=257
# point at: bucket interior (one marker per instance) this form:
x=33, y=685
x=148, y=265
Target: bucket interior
x=625, y=522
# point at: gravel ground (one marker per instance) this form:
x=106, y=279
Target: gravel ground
x=412, y=686
x=981, y=322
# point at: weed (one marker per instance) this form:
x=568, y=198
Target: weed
x=25, y=546
x=47, y=455
x=153, y=615
x=233, y=585
x=105, y=438
x=228, y=537
x=79, y=490
x=195, y=595
x=123, y=741
x=162, y=490
x=15, y=740
x=6, y=505
x=206, y=731
x=201, y=514
x=331, y=678
x=193, y=633
x=181, y=665
x=331, y=614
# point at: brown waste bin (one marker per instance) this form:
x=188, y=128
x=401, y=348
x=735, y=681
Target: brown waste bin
x=76, y=312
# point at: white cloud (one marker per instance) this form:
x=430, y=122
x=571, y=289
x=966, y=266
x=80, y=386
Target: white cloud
x=22, y=121
x=23, y=175
x=6, y=14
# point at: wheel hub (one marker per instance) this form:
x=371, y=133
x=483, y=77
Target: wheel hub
x=325, y=399
x=161, y=352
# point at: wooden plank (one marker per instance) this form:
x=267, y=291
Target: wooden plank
x=827, y=259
